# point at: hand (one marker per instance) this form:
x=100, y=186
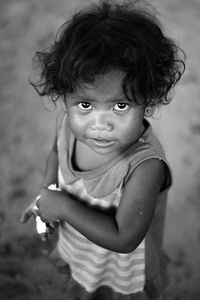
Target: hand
x=50, y=205
x=30, y=210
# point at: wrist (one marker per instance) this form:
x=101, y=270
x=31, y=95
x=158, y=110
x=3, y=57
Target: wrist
x=43, y=188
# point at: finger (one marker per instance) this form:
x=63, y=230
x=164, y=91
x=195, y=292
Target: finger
x=43, y=219
x=55, y=224
x=44, y=237
x=50, y=228
x=37, y=203
x=26, y=215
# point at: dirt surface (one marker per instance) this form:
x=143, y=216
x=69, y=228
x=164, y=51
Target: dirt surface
x=26, y=131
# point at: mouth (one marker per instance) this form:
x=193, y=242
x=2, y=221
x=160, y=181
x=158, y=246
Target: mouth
x=102, y=143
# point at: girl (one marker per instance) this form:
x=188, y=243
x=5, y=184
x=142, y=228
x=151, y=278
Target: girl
x=111, y=65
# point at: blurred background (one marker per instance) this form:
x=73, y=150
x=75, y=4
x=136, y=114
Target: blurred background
x=26, y=132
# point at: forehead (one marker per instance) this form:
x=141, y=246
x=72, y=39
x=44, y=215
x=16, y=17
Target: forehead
x=107, y=85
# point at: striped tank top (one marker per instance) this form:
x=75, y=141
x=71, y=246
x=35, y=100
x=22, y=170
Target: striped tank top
x=91, y=265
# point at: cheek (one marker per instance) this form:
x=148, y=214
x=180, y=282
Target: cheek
x=129, y=128
x=125, y=124
x=76, y=124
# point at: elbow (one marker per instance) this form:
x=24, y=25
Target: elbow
x=126, y=250
x=125, y=247
x=127, y=244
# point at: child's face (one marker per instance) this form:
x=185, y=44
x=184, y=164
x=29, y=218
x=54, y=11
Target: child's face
x=100, y=116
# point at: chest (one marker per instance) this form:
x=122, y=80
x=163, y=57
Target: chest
x=85, y=159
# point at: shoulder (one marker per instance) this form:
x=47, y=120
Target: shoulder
x=59, y=120
x=149, y=174
x=150, y=157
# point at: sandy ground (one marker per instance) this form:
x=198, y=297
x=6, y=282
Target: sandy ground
x=26, y=131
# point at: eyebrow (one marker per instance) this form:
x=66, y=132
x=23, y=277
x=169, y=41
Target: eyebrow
x=86, y=98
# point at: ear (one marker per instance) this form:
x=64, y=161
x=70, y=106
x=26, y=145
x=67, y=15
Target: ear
x=149, y=111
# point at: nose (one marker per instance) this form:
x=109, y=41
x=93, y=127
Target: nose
x=101, y=121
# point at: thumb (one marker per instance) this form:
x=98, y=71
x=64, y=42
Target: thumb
x=26, y=215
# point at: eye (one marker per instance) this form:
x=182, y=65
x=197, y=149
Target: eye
x=84, y=105
x=121, y=107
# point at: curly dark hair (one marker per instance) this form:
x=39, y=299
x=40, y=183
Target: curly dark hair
x=112, y=36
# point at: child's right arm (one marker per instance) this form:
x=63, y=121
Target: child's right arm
x=51, y=170
x=50, y=177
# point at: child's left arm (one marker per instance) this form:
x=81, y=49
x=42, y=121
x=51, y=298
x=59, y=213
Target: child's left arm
x=122, y=232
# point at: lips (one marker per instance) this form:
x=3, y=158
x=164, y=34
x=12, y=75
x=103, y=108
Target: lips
x=102, y=143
